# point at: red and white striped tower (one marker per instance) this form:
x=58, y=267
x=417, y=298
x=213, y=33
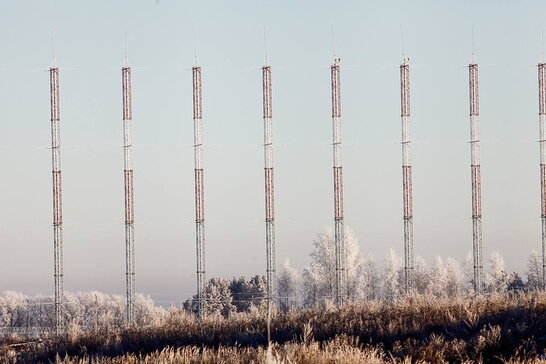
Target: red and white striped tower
x=476, y=179
x=57, y=196
x=269, y=186
x=129, y=203
x=199, y=189
x=339, y=231
x=406, y=177
x=542, y=142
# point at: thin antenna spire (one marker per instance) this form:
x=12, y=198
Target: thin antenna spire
x=126, y=57
x=542, y=43
x=265, y=48
x=333, y=43
x=473, y=44
x=52, y=48
x=194, y=46
x=403, y=45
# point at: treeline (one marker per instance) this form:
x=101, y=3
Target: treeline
x=366, y=281
x=226, y=297
x=82, y=310
x=93, y=310
x=369, y=280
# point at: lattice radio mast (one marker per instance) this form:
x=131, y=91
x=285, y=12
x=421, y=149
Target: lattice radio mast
x=542, y=142
x=128, y=179
x=407, y=177
x=269, y=186
x=476, y=178
x=57, y=196
x=339, y=232
x=199, y=189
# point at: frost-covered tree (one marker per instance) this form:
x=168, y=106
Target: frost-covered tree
x=392, y=275
x=444, y=279
x=357, y=274
x=218, y=299
x=534, y=271
x=455, y=278
x=147, y=313
x=85, y=310
x=439, y=277
x=249, y=294
x=310, y=287
x=12, y=309
x=422, y=275
x=319, y=277
x=369, y=275
x=468, y=274
x=515, y=283
x=496, y=279
x=287, y=286
x=323, y=266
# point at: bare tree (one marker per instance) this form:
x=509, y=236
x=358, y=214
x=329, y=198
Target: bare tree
x=369, y=276
x=534, y=271
x=455, y=278
x=496, y=279
x=319, y=276
x=422, y=276
x=392, y=275
x=287, y=286
x=468, y=274
x=439, y=278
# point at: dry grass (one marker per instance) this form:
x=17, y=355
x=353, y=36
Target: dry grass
x=416, y=329
x=336, y=351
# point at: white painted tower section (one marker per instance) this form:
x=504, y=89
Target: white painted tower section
x=199, y=189
x=269, y=185
x=476, y=179
x=57, y=197
x=129, y=202
x=339, y=232
x=542, y=143
x=407, y=178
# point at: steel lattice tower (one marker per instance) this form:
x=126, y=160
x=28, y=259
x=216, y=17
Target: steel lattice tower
x=476, y=178
x=57, y=196
x=339, y=233
x=542, y=141
x=129, y=203
x=199, y=190
x=269, y=186
x=407, y=177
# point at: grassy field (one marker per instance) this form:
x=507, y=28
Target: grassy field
x=497, y=328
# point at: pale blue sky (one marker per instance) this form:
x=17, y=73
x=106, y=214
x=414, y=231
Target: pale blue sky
x=89, y=50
